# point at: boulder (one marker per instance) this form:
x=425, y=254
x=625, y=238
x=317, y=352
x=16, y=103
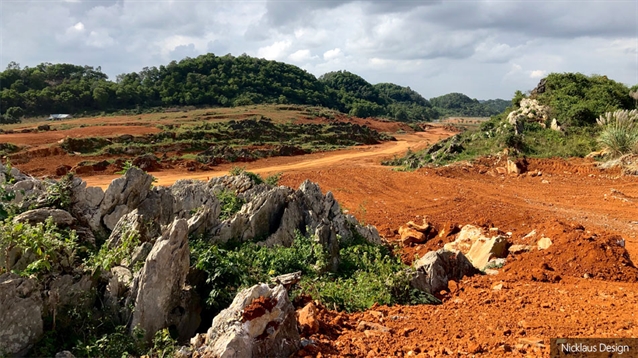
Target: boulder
x=147, y=162
x=60, y=217
x=544, y=243
x=437, y=268
x=468, y=235
x=159, y=293
x=119, y=284
x=62, y=170
x=512, y=168
x=86, y=204
x=21, y=311
x=555, y=126
x=69, y=290
x=261, y=322
x=485, y=249
x=411, y=236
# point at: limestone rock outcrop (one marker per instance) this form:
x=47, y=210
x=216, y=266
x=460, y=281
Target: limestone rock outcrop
x=159, y=293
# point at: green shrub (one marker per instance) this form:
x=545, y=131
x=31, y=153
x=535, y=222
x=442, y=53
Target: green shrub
x=58, y=193
x=7, y=209
x=367, y=273
x=49, y=248
x=273, y=179
x=230, y=204
x=107, y=256
x=163, y=345
x=115, y=344
x=256, y=178
x=125, y=168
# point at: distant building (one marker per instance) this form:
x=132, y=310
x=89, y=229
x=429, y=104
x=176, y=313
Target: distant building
x=59, y=117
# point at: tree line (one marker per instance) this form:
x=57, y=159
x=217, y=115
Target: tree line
x=210, y=80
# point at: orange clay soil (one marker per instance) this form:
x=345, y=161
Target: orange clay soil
x=51, y=137
x=584, y=285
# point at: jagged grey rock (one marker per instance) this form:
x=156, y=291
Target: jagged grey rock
x=159, y=293
x=119, y=284
x=237, y=183
x=21, y=311
x=35, y=216
x=64, y=354
x=86, y=204
x=273, y=215
x=268, y=331
x=124, y=195
x=140, y=254
x=437, y=268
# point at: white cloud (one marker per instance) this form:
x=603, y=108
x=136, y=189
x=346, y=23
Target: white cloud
x=537, y=74
x=100, y=39
x=77, y=27
x=276, y=51
x=332, y=54
x=301, y=56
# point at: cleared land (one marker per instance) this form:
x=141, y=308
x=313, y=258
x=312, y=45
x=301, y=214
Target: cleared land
x=579, y=287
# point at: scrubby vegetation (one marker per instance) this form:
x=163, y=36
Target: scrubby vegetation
x=233, y=141
x=367, y=273
x=206, y=80
x=571, y=105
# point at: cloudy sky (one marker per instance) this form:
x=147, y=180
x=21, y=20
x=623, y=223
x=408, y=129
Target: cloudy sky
x=486, y=49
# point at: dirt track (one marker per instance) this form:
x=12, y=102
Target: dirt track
x=544, y=294
x=359, y=156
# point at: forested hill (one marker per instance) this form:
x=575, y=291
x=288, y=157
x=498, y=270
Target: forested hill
x=458, y=104
x=208, y=80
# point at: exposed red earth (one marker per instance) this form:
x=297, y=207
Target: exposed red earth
x=583, y=285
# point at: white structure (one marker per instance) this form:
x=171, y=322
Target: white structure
x=59, y=117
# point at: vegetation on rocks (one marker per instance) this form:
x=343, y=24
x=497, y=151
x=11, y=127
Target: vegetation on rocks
x=367, y=273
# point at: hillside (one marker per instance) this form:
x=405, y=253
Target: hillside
x=557, y=119
x=207, y=81
x=458, y=104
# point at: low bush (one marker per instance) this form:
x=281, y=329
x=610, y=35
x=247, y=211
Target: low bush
x=45, y=247
x=230, y=204
x=367, y=273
